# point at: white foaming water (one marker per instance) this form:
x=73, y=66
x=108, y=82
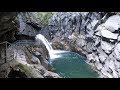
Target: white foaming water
x=56, y=53
x=40, y=37
x=52, y=53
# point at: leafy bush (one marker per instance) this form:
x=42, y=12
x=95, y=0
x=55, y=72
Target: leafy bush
x=44, y=17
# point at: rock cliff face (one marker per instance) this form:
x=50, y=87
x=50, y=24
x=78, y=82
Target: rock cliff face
x=93, y=34
x=18, y=25
x=21, y=57
x=29, y=25
x=8, y=26
x=96, y=35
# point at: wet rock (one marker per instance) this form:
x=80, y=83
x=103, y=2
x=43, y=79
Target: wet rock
x=27, y=25
x=118, y=38
x=97, y=41
x=108, y=34
x=80, y=41
x=110, y=66
x=8, y=26
x=56, y=44
x=98, y=33
x=104, y=71
x=90, y=57
x=117, y=66
x=117, y=52
x=113, y=23
x=97, y=37
x=35, y=60
x=99, y=66
x=102, y=56
x=49, y=74
x=107, y=47
x=46, y=64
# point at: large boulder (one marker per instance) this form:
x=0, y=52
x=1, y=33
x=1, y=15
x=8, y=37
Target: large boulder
x=80, y=41
x=108, y=34
x=117, y=66
x=117, y=52
x=49, y=74
x=113, y=23
x=35, y=60
x=107, y=47
x=110, y=68
x=28, y=24
x=102, y=56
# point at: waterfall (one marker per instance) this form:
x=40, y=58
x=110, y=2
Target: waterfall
x=52, y=53
x=44, y=40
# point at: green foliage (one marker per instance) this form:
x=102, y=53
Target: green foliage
x=44, y=17
x=26, y=69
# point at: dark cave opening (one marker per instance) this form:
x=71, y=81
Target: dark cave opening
x=16, y=74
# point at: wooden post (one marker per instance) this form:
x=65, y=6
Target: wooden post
x=5, y=52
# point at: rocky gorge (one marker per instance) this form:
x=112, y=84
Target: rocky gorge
x=20, y=57
x=94, y=35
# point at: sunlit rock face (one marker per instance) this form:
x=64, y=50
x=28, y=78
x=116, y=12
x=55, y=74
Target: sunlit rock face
x=93, y=34
x=113, y=23
x=29, y=25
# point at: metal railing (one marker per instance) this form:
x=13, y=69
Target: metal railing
x=24, y=42
x=9, y=48
x=6, y=53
